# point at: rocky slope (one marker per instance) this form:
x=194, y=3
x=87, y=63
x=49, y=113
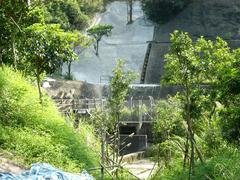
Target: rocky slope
x=209, y=18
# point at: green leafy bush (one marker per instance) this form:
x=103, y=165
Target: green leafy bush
x=36, y=133
x=230, y=98
x=168, y=130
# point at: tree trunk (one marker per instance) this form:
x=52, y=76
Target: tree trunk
x=117, y=142
x=14, y=52
x=69, y=69
x=200, y=156
x=158, y=155
x=97, y=48
x=1, y=60
x=169, y=150
x=39, y=87
x=103, y=138
x=192, y=163
x=131, y=11
x=190, y=131
x=114, y=145
x=186, y=151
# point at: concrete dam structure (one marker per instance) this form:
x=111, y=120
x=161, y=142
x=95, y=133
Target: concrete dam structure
x=143, y=46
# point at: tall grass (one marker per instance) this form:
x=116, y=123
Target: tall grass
x=224, y=165
x=36, y=133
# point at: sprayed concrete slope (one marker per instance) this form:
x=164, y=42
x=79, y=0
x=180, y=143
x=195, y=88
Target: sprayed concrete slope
x=127, y=42
x=209, y=18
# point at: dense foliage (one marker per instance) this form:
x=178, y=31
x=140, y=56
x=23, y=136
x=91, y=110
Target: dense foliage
x=119, y=89
x=36, y=133
x=196, y=125
x=230, y=98
x=71, y=14
x=161, y=11
x=16, y=17
x=38, y=36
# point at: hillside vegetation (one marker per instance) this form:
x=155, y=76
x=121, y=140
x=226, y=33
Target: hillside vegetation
x=197, y=130
x=72, y=14
x=35, y=133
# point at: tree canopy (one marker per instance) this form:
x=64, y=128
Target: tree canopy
x=98, y=32
x=161, y=11
x=208, y=72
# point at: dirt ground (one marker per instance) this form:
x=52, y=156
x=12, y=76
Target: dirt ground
x=7, y=165
x=141, y=168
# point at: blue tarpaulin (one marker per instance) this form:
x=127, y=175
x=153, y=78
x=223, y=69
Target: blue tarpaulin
x=43, y=171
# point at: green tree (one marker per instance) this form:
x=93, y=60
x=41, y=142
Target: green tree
x=201, y=69
x=182, y=68
x=3, y=35
x=98, y=32
x=46, y=47
x=119, y=88
x=37, y=13
x=91, y=7
x=167, y=123
x=67, y=13
x=12, y=14
x=220, y=64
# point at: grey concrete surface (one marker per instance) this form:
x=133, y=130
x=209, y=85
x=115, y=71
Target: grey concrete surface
x=128, y=42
